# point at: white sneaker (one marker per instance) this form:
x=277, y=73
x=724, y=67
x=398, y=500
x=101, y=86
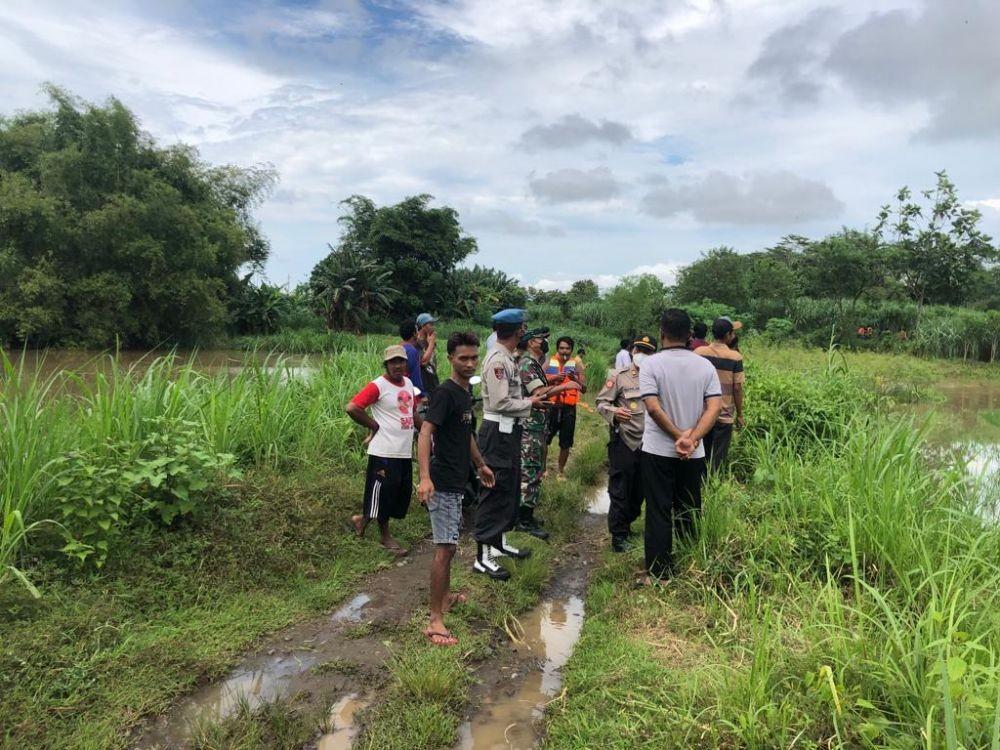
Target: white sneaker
x=486, y=564
x=508, y=550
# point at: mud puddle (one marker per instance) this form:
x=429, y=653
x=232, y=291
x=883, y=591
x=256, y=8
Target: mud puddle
x=511, y=698
x=342, y=728
x=340, y=653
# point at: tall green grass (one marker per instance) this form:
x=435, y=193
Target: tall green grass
x=266, y=414
x=844, y=593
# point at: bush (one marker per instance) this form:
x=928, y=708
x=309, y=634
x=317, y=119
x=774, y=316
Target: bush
x=779, y=329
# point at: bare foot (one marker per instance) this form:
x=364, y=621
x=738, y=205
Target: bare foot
x=393, y=546
x=440, y=636
x=358, y=522
x=457, y=598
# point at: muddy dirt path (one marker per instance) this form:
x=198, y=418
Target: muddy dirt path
x=336, y=662
x=507, y=705
x=339, y=654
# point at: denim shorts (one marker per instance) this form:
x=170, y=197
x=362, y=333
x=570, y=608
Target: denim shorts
x=446, y=516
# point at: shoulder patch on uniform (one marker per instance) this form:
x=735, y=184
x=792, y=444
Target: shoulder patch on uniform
x=499, y=373
x=610, y=382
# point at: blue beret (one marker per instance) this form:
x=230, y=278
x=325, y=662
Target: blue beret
x=510, y=315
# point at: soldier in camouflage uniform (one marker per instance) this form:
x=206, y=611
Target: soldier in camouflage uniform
x=534, y=347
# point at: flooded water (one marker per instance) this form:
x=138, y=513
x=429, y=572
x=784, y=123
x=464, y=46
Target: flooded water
x=342, y=727
x=511, y=722
x=352, y=611
x=965, y=428
x=87, y=363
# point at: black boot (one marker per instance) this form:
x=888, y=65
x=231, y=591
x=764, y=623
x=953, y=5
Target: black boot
x=526, y=522
x=506, y=549
x=620, y=543
x=486, y=564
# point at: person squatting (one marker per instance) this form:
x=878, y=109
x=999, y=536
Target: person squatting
x=664, y=406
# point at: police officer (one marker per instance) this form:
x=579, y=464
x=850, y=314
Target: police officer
x=534, y=346
x=504, y=410
x=621, y=405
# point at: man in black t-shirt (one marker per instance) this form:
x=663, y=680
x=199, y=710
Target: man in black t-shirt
x=448, y=425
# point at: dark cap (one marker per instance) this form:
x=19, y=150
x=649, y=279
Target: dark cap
x=533, y=333
x=644, y=342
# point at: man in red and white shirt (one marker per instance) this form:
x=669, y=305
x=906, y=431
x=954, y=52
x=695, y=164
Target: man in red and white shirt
x=389, y=481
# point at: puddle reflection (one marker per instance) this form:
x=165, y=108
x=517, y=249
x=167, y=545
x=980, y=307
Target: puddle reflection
x=508, y=723
x=343, y=728
x=352, y=611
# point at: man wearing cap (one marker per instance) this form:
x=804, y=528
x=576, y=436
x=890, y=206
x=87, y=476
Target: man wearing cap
x=504, y=410
x=389, y=478
x=534, y=345
x=728, y=364
x=622, y=407
x=426, y=344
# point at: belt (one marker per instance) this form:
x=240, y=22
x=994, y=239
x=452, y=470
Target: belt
x=492, y=416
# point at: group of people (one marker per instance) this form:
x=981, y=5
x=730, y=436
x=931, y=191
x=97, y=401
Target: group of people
x=665, y=406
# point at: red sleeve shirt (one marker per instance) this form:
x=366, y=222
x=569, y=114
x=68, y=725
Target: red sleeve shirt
x=366, y=396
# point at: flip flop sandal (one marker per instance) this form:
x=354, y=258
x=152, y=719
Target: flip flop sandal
x=450, y=640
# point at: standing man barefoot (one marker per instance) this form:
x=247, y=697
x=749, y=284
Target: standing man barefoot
x=389, y=482
x=563, y=368
x=448, y=425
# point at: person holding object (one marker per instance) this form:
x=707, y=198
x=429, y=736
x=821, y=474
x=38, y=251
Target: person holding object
x=426, y=344
x=534, y=345
x=448, y=426
x=504, y=411
x=683, y=399
x=389, y=478
x=622, y=408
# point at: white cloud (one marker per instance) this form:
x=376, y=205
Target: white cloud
x=664, y=271
x=992, y=204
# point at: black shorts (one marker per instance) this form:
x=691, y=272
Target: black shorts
x=562, y=421
x=388, y=486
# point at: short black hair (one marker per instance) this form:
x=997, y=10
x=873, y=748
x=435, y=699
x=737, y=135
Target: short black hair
x=567, y=340
x=462, y=338
x=506, y=330
x=407, y=328
x=675, y=324
x=721, y=328
x=700, y=330
x=625, y=344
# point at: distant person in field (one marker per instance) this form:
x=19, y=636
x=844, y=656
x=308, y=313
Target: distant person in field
x=564, y=367
x=698, y=333
x=620, y=404
x=449, y=427
x=624, y=357
x=683, y=399
x=408, y=340
x=426, y=343
x=729, y=366
x=389, y=478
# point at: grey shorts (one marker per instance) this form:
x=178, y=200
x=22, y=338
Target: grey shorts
x=446, y=516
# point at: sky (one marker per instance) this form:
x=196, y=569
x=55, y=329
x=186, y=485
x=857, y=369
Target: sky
x=576, y=139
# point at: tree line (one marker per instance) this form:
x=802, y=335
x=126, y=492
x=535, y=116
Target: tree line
x=107, y=238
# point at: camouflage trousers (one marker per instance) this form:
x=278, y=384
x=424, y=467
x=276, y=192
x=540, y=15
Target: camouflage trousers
x=532, y=447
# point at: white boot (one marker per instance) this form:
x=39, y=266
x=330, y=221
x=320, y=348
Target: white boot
x=508, y=550
x=486, y=564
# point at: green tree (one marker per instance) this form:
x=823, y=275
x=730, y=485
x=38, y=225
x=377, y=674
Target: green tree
x=417, y=245
x=936, y=250
x=843, y=267
x=634, y=305
x=104, y=235
x=478, y=292
x=720, y=275
x=584, y=290
x=349, y=288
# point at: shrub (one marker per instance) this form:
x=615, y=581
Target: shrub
x=779, y=329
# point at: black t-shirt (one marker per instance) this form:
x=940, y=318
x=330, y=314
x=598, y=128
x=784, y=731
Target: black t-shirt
x=450, y=411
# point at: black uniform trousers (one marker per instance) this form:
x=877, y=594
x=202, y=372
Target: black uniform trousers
x=497, y=509
x=625, y=489
x=717, y=443
x=673, y=500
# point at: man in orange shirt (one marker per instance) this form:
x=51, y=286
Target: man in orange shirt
x=562, y=417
